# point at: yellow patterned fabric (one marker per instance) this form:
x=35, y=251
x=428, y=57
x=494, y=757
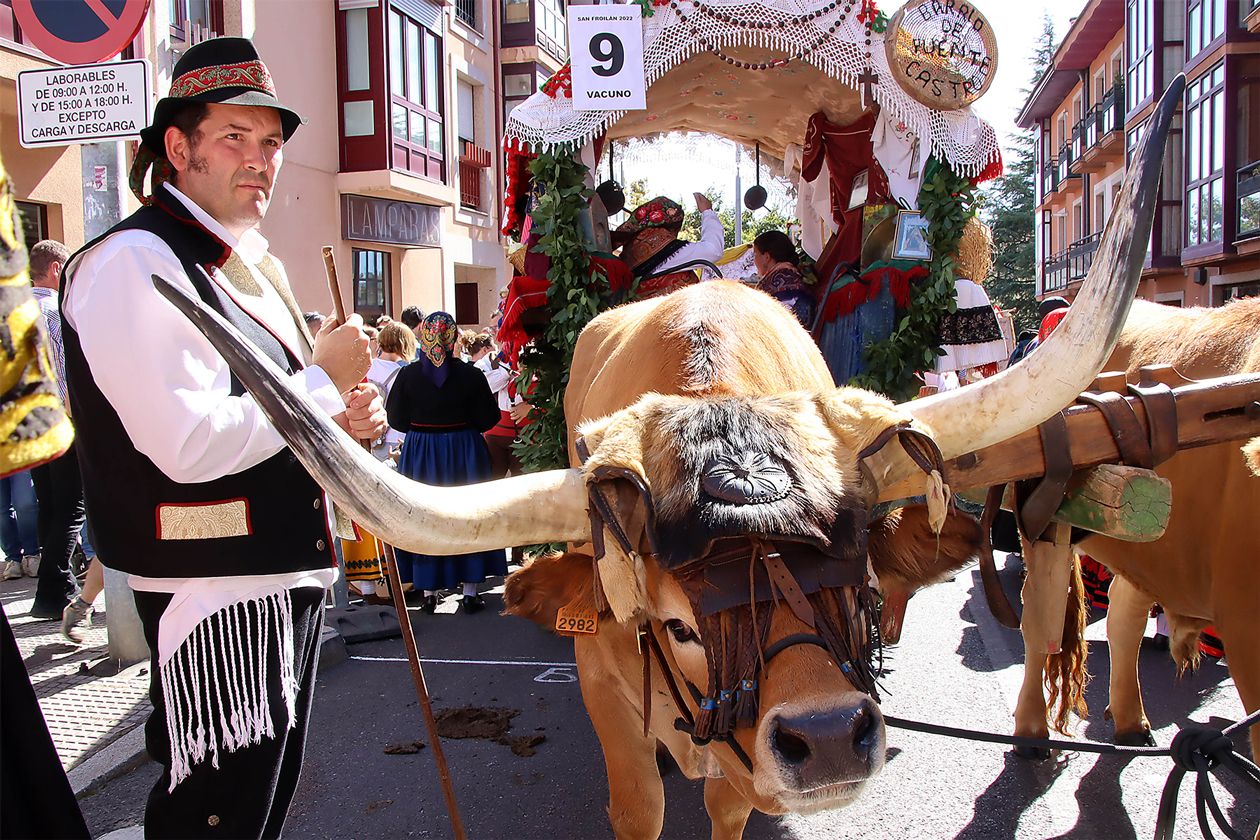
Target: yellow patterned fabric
x=361, y=556
x=34, y=427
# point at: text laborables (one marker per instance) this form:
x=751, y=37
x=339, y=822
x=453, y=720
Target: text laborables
x=80, y=77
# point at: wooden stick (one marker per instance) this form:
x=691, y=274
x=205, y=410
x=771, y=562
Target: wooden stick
x=422, y=689
x=404, y=619
x=330, y=268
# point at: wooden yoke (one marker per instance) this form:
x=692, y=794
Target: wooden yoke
x=1208, y=412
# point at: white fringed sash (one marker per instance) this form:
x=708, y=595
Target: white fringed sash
x=214, y=684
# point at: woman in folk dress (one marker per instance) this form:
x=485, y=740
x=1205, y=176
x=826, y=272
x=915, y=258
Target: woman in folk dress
x=444, y=404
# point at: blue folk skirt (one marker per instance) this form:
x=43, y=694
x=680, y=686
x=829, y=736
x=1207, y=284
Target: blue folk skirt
x=447, y=459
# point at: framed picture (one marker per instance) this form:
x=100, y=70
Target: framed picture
x=861, y=188
x=911, y=242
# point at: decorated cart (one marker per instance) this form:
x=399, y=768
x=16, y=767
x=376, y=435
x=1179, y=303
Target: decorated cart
x=870, y=118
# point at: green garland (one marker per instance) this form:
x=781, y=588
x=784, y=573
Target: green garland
x=572, y=301
x=948, y=202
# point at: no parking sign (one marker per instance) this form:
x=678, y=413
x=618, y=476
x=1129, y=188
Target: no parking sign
x=606, y=51
x=80, y=31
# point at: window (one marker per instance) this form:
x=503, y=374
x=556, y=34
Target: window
x=195, y=20
x=466, y=12
x=1205, y=22
x=1140, y=45
x=415, y=92
x=371, y=283
x=516, y=11
x=1205, y=157
x=550, y=23
x=34, y=222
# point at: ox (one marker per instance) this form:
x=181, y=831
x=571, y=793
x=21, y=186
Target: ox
x=1203, y=570
x=725, y=487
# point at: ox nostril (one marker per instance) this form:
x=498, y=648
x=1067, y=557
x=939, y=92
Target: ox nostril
x=792, y=748
x=865, y=731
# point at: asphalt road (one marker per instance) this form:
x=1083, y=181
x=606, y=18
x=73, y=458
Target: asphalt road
x=954, y=665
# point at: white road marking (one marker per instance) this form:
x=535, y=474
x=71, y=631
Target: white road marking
x=467, y=661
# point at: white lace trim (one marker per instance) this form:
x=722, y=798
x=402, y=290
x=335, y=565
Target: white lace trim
x=960, y=137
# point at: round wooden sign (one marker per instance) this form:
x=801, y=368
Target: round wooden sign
x=942, y=52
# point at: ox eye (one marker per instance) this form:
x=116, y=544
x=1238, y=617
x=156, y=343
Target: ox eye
x=681, y=632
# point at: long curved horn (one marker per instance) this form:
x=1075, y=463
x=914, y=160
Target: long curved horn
x=536, y=508
x=1026, y=394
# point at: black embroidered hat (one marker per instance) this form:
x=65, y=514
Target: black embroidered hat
x=225, y=71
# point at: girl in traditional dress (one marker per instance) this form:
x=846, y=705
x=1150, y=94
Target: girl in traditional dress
x=396, y=346
x=776, y=260
x=444, y=404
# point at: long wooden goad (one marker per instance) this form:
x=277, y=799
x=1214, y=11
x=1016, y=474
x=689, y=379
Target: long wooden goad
x=404, y=618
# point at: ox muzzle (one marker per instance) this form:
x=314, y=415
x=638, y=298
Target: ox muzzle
x=734, y=585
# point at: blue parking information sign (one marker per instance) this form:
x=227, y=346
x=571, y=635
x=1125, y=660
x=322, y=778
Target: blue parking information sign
x=606, y=50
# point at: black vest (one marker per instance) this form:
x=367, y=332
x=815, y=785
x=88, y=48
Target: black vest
x=267, y=519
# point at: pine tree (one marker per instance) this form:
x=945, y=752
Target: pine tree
x=1010, y=206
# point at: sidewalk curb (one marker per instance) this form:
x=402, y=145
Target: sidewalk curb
x=124, y=754
x=127, y=751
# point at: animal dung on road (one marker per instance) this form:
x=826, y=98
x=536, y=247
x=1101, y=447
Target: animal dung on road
x=481, y=723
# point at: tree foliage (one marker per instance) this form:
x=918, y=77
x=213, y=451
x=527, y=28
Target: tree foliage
x=947, y=201
x=573, y=299
x=1010, y=204
x=754, y=224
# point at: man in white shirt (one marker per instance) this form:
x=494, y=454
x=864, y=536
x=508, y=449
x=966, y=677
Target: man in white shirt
x=650, y=245
x=58, y=486
x=194, y=494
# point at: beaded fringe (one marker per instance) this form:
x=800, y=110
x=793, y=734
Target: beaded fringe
x=215, y=685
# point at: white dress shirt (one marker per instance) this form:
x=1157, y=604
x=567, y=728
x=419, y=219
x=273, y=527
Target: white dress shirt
x=710, y=246
x=171, y=388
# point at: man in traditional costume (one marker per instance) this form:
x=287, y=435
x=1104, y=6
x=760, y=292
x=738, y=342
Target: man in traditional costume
x=651, y=247
x=194, y=494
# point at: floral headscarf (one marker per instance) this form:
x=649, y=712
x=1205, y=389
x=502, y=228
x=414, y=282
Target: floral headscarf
x=437, y=337
x=438, y=334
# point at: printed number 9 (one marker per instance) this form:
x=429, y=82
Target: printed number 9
x=606, y=47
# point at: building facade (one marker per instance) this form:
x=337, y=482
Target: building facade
x=394, y=167
x=533, y=45
x=1089, y=111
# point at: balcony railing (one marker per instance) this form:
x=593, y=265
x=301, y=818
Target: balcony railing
x=1049, y=178
x=473, y=160
x=1078, y=141
x=1105, y=117
x=1054, y=272
x=466, y=12
x=1249, y=199
x=1063, y=165
x=1081, y=256
x=1070, y=265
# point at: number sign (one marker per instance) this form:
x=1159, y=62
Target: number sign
x=606, y=48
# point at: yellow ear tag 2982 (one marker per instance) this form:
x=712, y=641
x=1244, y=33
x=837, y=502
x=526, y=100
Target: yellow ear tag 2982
x=577, y=619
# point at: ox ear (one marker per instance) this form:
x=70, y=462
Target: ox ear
x=538, y=590
x=906, y=555
x=615, y=440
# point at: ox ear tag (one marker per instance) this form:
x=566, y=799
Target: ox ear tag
x=577, y=619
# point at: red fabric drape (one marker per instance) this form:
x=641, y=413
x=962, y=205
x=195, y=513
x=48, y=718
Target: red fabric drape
x=847, y=149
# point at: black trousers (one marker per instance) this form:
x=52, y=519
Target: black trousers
x=36, y=801
x=248, y=795
x=59, y=489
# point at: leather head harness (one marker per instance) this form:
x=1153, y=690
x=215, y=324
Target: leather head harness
x=735, y=584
